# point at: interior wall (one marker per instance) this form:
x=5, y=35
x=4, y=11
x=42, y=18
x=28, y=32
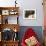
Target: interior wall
x=31, y=4
x=7, y=3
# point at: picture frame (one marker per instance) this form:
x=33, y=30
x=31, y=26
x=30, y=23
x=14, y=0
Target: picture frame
x=5, y=12
x=29, y=14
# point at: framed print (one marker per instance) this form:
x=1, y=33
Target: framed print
x=5, y=12
x=29, y=14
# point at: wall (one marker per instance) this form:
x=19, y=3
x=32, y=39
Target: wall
x=6, y=3
x=27, y=4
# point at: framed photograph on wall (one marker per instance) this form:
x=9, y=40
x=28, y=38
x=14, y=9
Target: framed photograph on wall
x=5, y=12
x=29, y=14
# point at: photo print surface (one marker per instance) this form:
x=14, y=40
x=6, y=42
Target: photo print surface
x=30, y=14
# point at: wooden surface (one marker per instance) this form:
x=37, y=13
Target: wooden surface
x=9, y=8
x=12, y=43
x=10, y=26
x=9, y=43
x=15, y=9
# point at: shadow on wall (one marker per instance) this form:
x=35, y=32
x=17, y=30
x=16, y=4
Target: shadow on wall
x=37, y=29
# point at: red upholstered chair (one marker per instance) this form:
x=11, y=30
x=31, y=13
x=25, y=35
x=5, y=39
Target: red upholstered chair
x=28, y=34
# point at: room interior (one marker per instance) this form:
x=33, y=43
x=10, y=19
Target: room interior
x=14, y=21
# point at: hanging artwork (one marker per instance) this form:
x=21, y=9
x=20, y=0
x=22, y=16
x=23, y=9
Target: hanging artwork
x=29, y=14
x=5, y=12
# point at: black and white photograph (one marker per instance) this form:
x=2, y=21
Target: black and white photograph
x=29, y=14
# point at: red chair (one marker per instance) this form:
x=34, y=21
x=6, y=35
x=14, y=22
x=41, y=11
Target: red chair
x=29, y=33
